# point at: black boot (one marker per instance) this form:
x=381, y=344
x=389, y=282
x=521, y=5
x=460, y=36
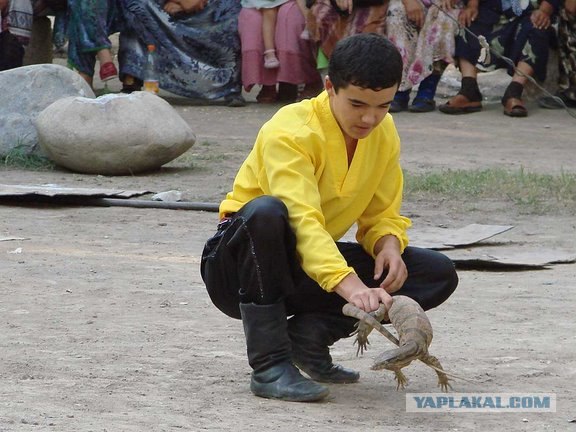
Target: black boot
x=311, y=336
x=269, y=354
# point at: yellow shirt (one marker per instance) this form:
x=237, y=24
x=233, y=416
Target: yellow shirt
x=300, y=157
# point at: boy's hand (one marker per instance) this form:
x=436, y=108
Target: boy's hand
x=353, y=290
x=388, y=257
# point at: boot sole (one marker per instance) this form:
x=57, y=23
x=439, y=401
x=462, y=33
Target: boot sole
x=311, y=397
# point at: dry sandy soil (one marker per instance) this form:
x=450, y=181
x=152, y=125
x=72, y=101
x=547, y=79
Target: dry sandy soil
x=106, y=325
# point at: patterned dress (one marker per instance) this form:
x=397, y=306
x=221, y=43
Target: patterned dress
x=567, y=52
x=328, y=25
x=89, y=23
x=421, y=50
x=510, y=35
x=198, y=55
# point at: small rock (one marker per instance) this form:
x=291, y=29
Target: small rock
x=168, y=196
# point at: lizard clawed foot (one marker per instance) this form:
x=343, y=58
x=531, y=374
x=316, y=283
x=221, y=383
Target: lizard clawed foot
x=444, y=382
x=401, y=380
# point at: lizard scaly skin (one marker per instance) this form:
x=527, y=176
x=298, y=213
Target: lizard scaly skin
x=415, y=335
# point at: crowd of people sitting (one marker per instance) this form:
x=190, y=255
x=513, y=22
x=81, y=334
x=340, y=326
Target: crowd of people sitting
x=212, y=49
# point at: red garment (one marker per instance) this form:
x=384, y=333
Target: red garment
x=296, y=55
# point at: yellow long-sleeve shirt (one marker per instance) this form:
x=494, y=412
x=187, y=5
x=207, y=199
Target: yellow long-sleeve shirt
x=300, y=157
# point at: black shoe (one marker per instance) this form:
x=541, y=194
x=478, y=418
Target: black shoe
x=131, y=84
x=270, y=356
x=422, y=105
x=557, y=101
x=235, y=101
x=285, y=382
x=312, y=334
x=400, y=102
x=328, y=372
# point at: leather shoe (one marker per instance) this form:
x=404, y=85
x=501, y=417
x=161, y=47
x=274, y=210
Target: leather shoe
x=514, y=107
x=284, y=381
x=460, y=104
x=329, y=373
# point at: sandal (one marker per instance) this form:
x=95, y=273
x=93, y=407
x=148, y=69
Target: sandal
x=514, y=107
x=270, y=60
x=460, y=104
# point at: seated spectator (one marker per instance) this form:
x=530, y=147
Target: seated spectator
x=15, y=32
x=198, y=48
x=514, y=29
x=567, y=54
x=89, y=24
x=332, y=20
x=425, y=36
x=297, y=64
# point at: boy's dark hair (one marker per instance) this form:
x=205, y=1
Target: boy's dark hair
x=366, y=60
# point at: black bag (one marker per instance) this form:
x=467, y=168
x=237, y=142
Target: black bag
x=11, y=51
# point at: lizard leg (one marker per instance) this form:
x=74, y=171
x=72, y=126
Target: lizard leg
x=400, y=379
x=443, y=380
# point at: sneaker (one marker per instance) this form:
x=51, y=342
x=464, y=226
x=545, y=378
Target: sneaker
x=108, y=71
x=400, y=102
x=422, y=105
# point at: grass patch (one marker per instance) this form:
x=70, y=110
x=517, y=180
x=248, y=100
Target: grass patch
x=19, y=157
x=531, y=192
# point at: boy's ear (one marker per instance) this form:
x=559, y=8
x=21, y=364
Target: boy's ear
x=328, y=85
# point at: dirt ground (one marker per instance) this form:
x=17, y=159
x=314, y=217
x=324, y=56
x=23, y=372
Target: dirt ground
x=106, y=325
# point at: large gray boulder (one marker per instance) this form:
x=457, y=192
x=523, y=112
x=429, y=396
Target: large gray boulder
x=24, y=93
x=115, y=134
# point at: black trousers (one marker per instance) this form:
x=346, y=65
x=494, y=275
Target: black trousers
x=252, y=259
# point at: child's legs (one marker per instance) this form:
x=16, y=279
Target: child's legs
x=302, y=6
x=269, y=27
x=105, y=56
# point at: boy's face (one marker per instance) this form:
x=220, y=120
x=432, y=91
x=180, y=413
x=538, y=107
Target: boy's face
x=358, y=110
